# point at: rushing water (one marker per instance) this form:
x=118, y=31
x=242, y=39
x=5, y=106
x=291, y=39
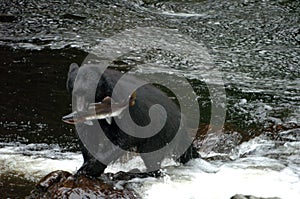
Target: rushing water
x=255, y=45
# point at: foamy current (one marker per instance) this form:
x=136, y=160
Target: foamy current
x=254, y=174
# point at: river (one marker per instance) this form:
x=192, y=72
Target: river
x=252, y=46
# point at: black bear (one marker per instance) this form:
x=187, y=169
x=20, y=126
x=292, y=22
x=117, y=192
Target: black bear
x=108, y=146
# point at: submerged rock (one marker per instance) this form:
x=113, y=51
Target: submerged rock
x=73, y=16
x=7, y=18
x=240, y=196
x=62, y=184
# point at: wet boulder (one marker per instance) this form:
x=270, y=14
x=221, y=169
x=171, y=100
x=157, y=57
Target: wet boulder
x=7, y=18
x=62, y=184
x=240, y=196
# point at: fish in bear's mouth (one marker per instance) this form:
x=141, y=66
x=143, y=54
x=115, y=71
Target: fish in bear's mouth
x=106, y=109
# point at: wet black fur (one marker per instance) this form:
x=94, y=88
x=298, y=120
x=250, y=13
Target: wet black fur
x=146, y=97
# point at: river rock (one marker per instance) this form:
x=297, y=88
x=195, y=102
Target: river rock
x=64, y=185
x=7, y=18
x=73, y=16
x=240, y=196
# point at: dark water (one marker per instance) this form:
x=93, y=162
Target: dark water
x=255, y=44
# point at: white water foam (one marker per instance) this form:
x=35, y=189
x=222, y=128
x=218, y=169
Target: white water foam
x=34, y=161
x=182, y=14
x=21, y=160
x=250, y=175
x=259, y=167
x=192, y=181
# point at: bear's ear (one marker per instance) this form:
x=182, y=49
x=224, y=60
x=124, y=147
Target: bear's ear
x=71, y=76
